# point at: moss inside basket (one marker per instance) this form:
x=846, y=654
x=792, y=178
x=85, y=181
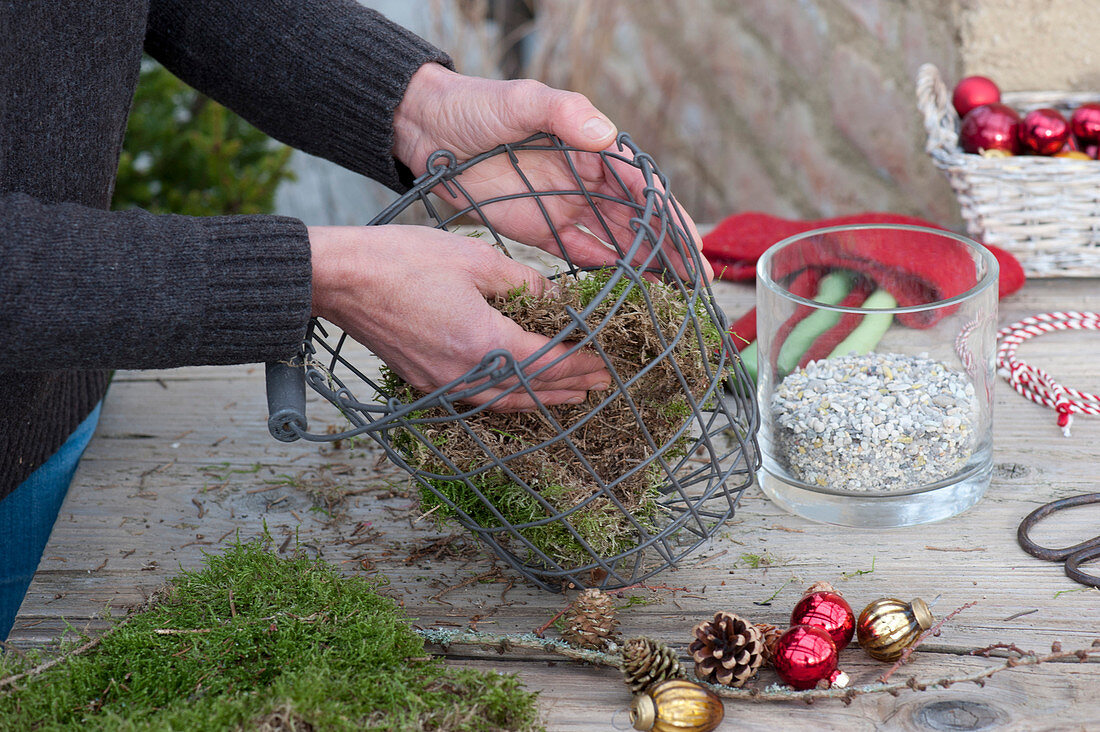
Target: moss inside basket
x=611, y=444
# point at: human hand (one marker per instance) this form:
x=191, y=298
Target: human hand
x=416, y=297
x=468, y=116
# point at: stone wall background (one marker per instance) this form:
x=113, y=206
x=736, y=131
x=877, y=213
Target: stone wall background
x=801, y=108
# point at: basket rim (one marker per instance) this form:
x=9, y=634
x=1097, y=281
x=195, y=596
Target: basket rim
x=942, y=122
x=989, y=278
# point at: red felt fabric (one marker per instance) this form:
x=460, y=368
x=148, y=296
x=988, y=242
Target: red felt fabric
x=739, y=240
x=805, y=284
x=935, y=271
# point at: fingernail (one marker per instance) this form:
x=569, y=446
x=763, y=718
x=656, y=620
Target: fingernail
x=574, y=400
x=597, y=128
x=601, y=387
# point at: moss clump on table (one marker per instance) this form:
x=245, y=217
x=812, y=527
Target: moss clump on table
x=612, y=441
x=254, y=641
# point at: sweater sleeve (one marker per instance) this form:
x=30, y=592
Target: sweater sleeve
x=85, y=288
x=324, y=76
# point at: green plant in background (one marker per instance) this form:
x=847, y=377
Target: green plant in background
x=186, y=154
x=255, y=641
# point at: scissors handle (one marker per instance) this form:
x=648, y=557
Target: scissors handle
x=1073, y=570
x=1074, y=555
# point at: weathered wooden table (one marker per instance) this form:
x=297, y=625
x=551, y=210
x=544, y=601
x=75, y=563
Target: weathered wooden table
x=182, y=463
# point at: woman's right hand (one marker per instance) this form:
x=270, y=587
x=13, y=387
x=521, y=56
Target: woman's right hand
x=416, y=296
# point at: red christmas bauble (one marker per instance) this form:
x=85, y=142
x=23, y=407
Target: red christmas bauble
x=804, y=655
x=990, y=127
x=972, y=92
x=1085, y=123
x=1043, y=131
x=828, y=611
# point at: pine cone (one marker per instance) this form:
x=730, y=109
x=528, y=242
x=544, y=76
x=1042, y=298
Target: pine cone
x=769, y=634
x=590, y=621
x=727, y=650
x=647, y=662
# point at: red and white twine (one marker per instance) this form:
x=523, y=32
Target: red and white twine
x=1035, y=383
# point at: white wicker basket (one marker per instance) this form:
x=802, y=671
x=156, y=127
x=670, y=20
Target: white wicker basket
x=1044, y=210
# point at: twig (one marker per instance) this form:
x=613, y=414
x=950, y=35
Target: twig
x=1019, y=615
x=545, y=626
x=934, y=630
x=1010, y=647
x=501, y=643
x=504, y=592
x=494, y=572
x=45, y=666
x=652, y=588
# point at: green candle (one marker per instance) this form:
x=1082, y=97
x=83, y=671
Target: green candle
x=871, y=329
x=833, y=288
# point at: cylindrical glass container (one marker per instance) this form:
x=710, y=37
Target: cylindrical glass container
x=875, y=373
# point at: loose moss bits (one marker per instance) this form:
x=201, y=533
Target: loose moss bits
x=254, y=641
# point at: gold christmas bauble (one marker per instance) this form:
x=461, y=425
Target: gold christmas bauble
x=677, y=705
x=888, y=626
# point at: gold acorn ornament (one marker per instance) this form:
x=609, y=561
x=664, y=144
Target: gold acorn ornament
x=888, y=626
x=590, y=621
x=727, y=650
x=647, y=662
x=677, y=705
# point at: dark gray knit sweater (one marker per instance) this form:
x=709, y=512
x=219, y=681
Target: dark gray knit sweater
x=83, y=289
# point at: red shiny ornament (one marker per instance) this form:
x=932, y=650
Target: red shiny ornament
x=972, y=92
x=805, y=655
x=1043, y=131
x=1085, y=123
x=828, y=611
x=990, y=127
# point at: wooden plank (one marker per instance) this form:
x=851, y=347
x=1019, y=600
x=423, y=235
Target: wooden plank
x=182, y=461
x=584, y=698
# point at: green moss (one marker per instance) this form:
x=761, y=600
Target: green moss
x=636, y=323
x=600, y=522
x=186, y=154
x=254, y=639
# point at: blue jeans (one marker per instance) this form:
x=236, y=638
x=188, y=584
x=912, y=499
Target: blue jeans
x=27, y=516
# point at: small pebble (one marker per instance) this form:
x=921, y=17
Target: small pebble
x=890, y=422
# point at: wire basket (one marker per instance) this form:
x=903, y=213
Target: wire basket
x=1044, y=210
x=696, y=469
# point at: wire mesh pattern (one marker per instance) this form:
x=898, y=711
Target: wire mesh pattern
x=696, y=464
